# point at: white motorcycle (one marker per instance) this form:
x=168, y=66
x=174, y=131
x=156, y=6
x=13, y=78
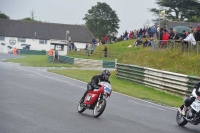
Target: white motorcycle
x=192, y=114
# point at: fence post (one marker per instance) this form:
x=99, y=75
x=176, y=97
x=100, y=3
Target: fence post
x=115, y=63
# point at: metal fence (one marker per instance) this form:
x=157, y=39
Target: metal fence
x=167, y=81
x=176, y=45
x=96, y=53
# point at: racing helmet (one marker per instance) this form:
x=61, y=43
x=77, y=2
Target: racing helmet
x=198, y=91
x=106, y=74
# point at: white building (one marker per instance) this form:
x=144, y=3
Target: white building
x=39, y=36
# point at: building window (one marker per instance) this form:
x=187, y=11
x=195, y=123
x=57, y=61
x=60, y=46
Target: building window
x=43, y=41
x=2, y=38
x=21, y=40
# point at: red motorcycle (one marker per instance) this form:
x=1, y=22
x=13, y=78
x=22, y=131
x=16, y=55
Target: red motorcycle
x=95, y=100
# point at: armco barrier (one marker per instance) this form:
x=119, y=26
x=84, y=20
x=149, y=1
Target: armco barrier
x=31, y=52
x=50, y=58
x=87, y=62
x=171, y=82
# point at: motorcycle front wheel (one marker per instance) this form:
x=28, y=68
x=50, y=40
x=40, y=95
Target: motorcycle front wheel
x=99, y=108
x=80, y=108
x=181, y=121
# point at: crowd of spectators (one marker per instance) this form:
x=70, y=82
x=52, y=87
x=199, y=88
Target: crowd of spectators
x=148, y=34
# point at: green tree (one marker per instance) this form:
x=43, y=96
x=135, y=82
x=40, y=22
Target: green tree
x=178, y=10
x=4, y=16
x=194, y=19
x=100, y=19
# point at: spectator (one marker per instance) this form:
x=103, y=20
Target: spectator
x=185, y=42
x=197, y=34
x=135, y=33
x=87, y=49
x=72, y=45
x=144, y=32
x=149, y=32
x=171, y=34
x=106, y=39
x=131, y=35
x=105, y=51
x=176, y=35
x=15, y=51
x=126, y=35
x=152, y=31
x=50, y=53
x=165, y=38
x=93, y=44
x=147, y=43
x=140, y=33
x=190, y=38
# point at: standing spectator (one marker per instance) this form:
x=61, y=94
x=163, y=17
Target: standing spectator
x=185, y=42
x=190, y=38
x=126, y=35
x=93, y=44
x=171, y=34
x=105, y=51
x=140, y=33
x=176, y=35
x=106, y=39
x=161, y=37
x=87, y=49
x=197, y=34
x=72, y=45
x=50, y=53
x=15, y=51
x=135, y=34
x=152, y=31
x=165, y=38
x=149, y=32
x=131, y=35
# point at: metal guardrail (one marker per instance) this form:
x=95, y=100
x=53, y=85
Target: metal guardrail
x=167, y=81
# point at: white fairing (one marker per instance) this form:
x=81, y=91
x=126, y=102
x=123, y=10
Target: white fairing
x=196, y=105
x=107, y=87
x=194, y=93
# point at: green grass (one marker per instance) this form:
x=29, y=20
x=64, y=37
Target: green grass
x=126, y=87
x=167, y=60
x=37, y=61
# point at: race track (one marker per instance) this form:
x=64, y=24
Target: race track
x=33, y=100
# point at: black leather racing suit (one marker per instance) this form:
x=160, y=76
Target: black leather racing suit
x=94, y=84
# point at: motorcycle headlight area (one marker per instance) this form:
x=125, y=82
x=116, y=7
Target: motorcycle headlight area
x=107, y=90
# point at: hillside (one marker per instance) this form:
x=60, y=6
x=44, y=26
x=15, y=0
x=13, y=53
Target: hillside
x=168, y=60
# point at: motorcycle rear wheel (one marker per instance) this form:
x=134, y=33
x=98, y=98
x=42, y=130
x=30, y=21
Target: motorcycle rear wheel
x=98, y=110
x=181, y=121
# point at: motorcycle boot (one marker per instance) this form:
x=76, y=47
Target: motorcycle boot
x=82, y=99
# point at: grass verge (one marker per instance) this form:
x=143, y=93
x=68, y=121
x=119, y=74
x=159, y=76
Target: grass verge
x=126, y=87
x=37, y=61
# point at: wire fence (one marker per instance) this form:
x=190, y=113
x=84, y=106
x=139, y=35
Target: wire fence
x=193, y=47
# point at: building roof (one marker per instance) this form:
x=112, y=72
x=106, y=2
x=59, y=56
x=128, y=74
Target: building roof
x=46, y=31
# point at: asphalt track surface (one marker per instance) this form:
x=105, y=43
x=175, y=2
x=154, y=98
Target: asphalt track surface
x=33, y=100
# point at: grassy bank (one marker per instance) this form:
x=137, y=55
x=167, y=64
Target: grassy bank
x=37, y=61
x=168, y=60
x=126, y=87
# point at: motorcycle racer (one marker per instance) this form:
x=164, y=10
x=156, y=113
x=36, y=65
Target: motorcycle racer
x=104, y=76
x=195, y=94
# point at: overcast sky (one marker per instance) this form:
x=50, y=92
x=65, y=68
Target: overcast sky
x=132, y=13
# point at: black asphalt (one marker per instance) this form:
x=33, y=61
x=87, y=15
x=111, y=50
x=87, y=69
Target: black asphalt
x=33, y=100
